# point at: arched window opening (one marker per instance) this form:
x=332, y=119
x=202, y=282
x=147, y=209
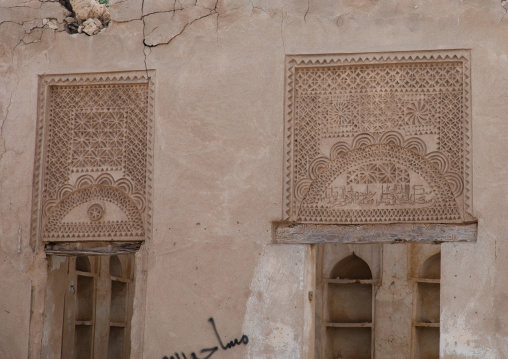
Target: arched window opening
x=349, y=310
x=97, y=306
x=351, y=267
x=115, y=266
x=83, y=264
x=83, y=293
x=118, y=314
x=431, y=269
x=426, y=310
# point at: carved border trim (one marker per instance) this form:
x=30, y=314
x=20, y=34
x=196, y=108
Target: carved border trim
x=324, y=60
x=45, y=81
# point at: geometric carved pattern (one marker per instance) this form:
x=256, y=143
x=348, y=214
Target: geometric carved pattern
x=409, y=107
x=95, y=212
x=98, y=140
x=378, y=173
x=93, y=166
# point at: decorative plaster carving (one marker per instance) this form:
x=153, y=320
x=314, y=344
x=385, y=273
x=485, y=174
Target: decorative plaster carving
x=93, y=162
x=382, y=137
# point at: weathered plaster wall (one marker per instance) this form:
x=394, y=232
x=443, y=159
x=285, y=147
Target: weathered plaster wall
x=468, y=300
x=218, y=162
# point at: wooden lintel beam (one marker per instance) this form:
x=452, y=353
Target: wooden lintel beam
x=91, y=248
x=375, y=233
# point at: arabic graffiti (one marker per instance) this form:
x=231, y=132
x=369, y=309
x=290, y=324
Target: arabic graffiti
x=210, y=351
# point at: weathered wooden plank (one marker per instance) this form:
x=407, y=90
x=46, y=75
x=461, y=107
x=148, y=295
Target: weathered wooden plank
x=349, y=325
x=375, y=233
x=92, y=248
x=350, y=281
x=428, y=325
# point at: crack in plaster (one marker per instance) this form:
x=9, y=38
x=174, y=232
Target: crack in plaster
x=282, y=30
x=146, y=46
x=11, y=22
x=32, y=23
x=22, y=5
x=212, y=12
x=22, y=42
x=144, y=26
x=257, y=7
x=307, y=11
x=5, y=150
x=504, y=5
x=55, y=25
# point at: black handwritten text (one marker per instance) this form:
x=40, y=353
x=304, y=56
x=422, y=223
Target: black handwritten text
x=210, y=351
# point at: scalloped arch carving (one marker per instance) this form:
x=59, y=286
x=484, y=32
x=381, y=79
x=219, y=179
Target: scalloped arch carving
x=94, y=143
x=403, y=184
x=56, y=228
x=414, y=106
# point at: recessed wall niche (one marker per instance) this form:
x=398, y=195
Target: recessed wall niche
x=426, y=309
x=93, y=162
x=345, y=302
x=378, y=137
x=377, y=301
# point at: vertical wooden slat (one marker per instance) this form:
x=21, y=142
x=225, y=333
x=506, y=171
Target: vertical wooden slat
x=130, y=301
x=325, y=317
x=69, y=312
x=102, y=309
x=56, y=290
x=413, y=316
x=373, y=321
x=324, y=298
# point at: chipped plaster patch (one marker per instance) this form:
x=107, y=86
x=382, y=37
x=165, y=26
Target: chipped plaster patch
x=56, y=262
x=276, y=291
x=90, y=17
x=464, y=343
x=465, y=318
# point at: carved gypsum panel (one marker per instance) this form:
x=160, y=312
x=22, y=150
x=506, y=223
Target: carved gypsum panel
x=93, y=161
x=377, y=138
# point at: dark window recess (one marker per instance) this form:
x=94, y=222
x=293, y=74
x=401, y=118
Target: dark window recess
x=93, y=294
x=348, y=310
x=426, y=310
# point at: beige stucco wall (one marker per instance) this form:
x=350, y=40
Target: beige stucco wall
x=218, y=163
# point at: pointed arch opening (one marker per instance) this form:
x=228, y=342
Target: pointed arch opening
x=431, y=269
x=115, y=266
x=351, y=267
x=83, y=264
